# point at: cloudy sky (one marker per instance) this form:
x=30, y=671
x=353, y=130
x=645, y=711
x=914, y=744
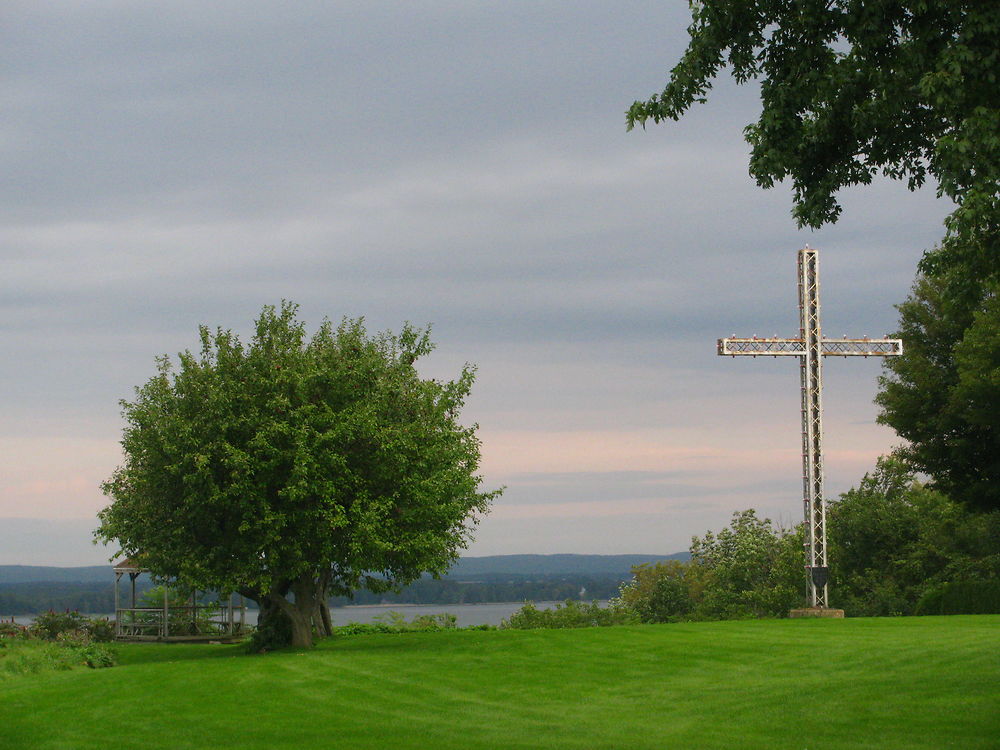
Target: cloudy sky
x=458, y=163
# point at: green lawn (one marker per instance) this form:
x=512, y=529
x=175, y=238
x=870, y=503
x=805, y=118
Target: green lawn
x=930, y=682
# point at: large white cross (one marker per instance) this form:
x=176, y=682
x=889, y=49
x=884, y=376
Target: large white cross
x=810, y=347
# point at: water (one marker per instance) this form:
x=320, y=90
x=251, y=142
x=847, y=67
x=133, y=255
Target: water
x=466, y=614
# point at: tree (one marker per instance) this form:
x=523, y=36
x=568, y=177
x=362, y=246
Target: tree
x=851, y=89
x=894, y=539
x=942, y=394
x=296, y=465
x=749, y=569
x=664, y=591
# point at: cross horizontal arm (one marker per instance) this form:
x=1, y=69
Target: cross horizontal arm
x=777, y=347
x=846, y=347
x=755, y=346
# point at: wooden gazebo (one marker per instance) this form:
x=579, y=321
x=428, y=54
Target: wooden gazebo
x=222, y=620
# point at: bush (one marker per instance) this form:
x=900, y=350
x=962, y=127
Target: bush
x=752, y=568
x=571, y=614
x=97, y=655
x=364, y=628
x=398, y=624
x=31, y=656
x=961, y=598
x=664, y=592
x=274, y=632
x=12, y=630
x=56, y=641
x=394, y=622
x=24, y=656
x=100, y=629
x=73, y=638
x=443, y=621
x=49, y=625
x=55, y=626
x=898, y=547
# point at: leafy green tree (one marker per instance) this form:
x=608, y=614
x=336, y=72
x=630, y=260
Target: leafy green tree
x=892, y=539
x=943, y=393
x=852, y=89
x=665, y=591
x=751, y=569
x=292, y=468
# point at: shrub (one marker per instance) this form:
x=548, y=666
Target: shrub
x=571, y=614
x=961, y=598
x=53, y=626
x=364, y=628
x=31, y=656
x=752, y=568
x=443, y=621
x=49, y=625
x=100, y=629
x=96, y=655
x=397, y=623
x=664, y=592
x=73, y=638
x=273, y=632
x=67, y=649
x=899, y=547
x=12, y=630
x=394, y=622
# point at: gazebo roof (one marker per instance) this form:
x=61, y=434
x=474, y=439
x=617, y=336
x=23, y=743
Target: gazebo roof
x=128, y=565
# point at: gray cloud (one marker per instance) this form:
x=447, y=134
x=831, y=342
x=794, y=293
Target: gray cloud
x=605, y=487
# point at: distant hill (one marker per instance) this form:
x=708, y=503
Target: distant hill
x=554, y=565
x=44, y=574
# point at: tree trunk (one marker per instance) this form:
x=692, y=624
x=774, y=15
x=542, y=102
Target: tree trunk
x=321, y=618
x=324, y=611
x=302, y=610
x=300, y=618
x=302, y=630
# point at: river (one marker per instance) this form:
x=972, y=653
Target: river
x=466, y=614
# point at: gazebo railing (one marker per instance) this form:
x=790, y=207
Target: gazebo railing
x=181, y=621
x=173, y=620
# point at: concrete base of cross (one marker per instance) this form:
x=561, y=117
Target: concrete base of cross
x=816, y=612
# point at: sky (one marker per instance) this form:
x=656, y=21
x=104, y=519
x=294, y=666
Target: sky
x=459, y=164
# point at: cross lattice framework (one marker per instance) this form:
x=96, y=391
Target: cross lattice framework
x=811, y=347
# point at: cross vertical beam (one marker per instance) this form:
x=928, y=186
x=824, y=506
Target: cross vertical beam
x=811, y=371
x=810, y=347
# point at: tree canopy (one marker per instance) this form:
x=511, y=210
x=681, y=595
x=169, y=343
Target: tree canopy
x=894, y=542
x=855, y=88
x=943, y=393
x=296, y=465
x=752, y=568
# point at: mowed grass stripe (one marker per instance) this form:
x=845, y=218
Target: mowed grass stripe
x=889, y=683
